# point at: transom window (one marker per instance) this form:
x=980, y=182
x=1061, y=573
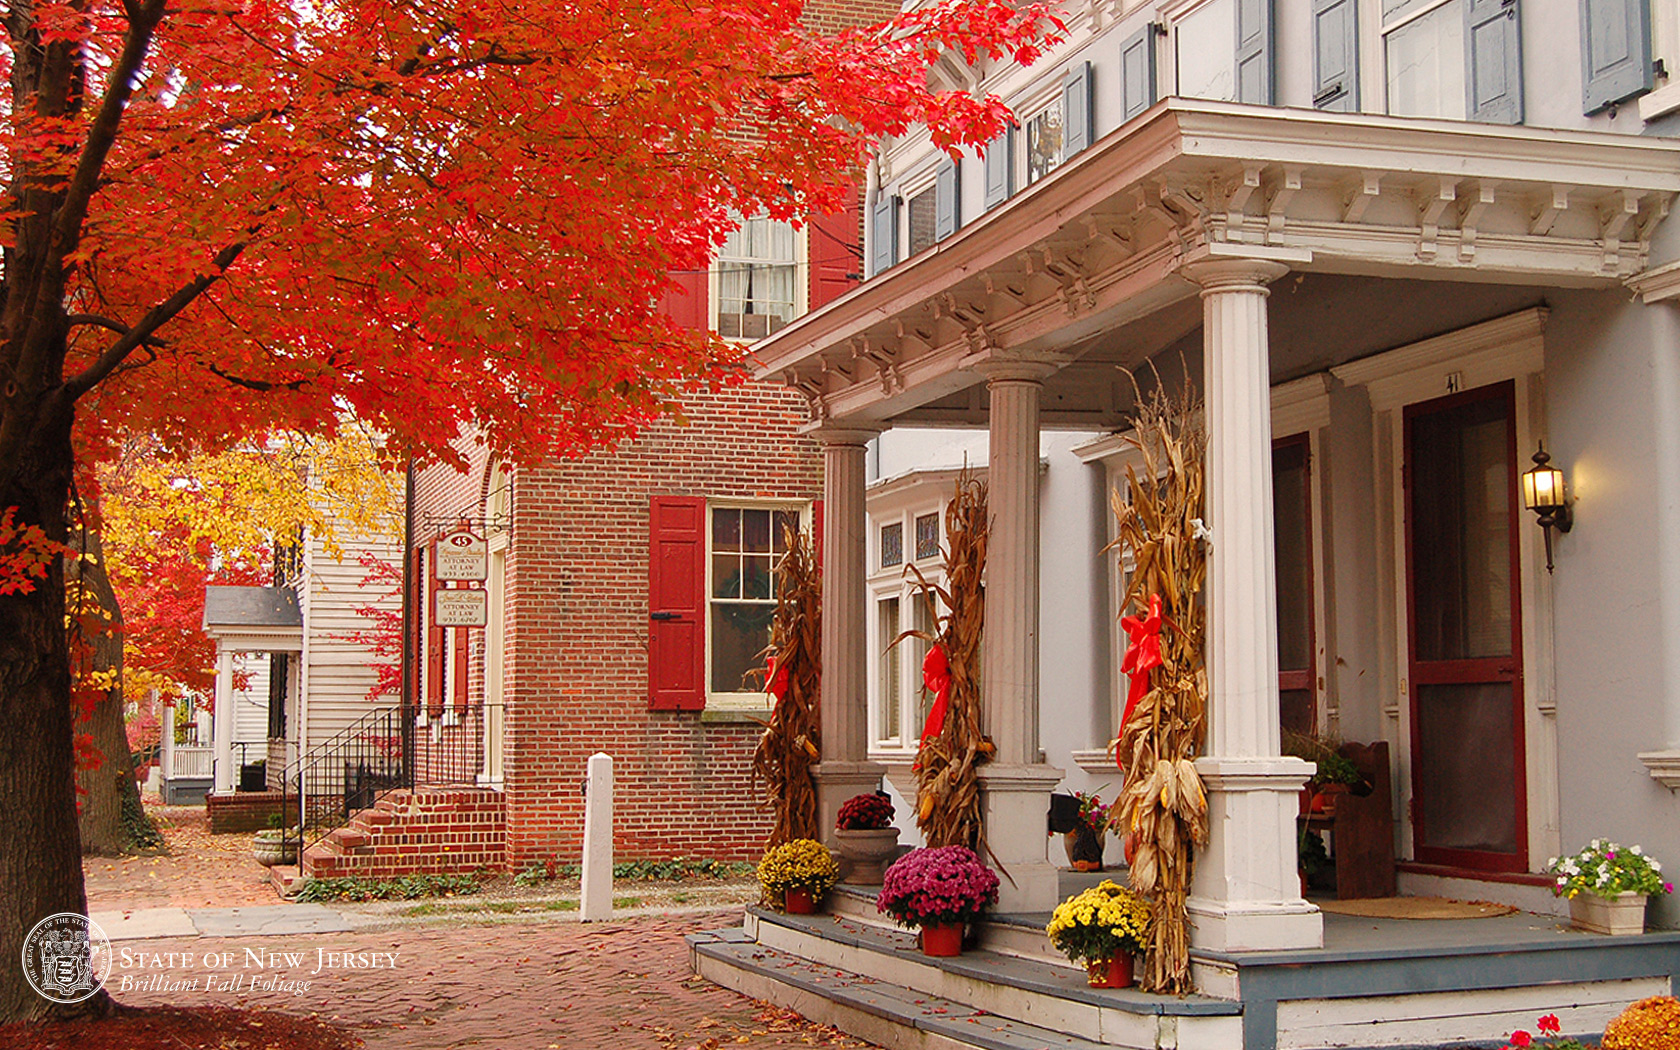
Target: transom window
x=746, y=543
x=758, y=271
x=892, y=544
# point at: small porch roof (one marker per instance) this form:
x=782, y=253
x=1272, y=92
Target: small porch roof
x=253, y=618
x=1082, y=270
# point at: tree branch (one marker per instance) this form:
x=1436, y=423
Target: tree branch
x=155, y=318
x=260, y=385
x=116, y=326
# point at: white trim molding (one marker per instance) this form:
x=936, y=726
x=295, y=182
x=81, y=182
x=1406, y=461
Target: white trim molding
x=1664, y=767
x=1658, y=283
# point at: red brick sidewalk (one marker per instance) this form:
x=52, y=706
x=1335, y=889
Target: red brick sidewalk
x=553, y=986
x=201, y=871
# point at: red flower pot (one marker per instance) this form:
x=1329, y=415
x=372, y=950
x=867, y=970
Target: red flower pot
x=799, y=902
x=942, y=940
x=1110, y=973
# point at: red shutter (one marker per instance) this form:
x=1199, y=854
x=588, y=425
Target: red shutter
x=433, y=690
x=461, y=668
x=836, y=253
x=686, y=303
x=677, y=603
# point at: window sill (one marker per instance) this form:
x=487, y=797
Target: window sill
x=734, y=715
x=1659, y=103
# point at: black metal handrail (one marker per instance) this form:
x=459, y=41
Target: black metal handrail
x=379, y=753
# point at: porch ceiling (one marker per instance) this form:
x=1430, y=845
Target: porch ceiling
x=1082, y=270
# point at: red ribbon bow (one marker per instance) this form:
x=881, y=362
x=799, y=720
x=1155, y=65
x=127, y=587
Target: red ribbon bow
x=1142, y=654
x=778, y=686
x=936, y=678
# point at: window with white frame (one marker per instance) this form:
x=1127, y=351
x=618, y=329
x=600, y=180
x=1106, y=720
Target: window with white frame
x=1044, y=141
x=1455, y=59
x=1205, y=51
x=744, y=543
x=758, y=279
x=897, y=705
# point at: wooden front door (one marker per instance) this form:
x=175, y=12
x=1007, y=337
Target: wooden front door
x=1465, y=631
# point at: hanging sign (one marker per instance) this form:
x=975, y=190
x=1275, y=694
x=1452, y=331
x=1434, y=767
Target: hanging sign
x=459, y=608
x=462, y=555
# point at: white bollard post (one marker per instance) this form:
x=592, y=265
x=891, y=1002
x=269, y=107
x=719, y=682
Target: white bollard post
x=596, y=905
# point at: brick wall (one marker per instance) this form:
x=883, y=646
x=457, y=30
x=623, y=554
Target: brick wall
x=451, y=831
x=241, y=810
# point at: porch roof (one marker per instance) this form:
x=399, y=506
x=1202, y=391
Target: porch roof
x=1079, y=270
x=253, y=618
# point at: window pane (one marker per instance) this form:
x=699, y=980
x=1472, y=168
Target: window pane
x=1206, y=41
x=1465, y=793
x=726, y=576
x=755, y=531
x=1426, y=65
x=1459, y=461
x=923, y=209
x=786, y=524
x=892, y=544
x=755, y=576
x=1292, y=539
x=726, y=529
x=887, y=686
x=927, y=536
x=918, y=654
x=1044, y=142
x=1298, y=711
x=740, y=631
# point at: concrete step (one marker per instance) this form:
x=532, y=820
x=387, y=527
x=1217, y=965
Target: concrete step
x=1038, y=993
x=884, y=1014
x=286, y=879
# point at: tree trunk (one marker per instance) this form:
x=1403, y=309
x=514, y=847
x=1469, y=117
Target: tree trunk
x=109, y=791
x=40, y=860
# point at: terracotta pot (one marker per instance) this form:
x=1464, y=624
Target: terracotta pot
x=943, y=941
x=1621, y=916
x=1110, y=973
x=799, y=902
x=868, y=850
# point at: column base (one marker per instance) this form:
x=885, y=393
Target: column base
x=1015, y=801
x=837, y=782
x=1246, y=895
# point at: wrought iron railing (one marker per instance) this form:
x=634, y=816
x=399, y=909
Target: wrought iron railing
x=380, y=753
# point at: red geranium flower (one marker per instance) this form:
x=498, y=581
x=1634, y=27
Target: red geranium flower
x=1521, y=1038
x=1549, y=1023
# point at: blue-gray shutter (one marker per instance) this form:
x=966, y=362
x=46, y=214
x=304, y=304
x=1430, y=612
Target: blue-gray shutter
x=1254, y=51
x=883, y=234
x=1493, y=61
x=1000, y=168
x=1137, y=73
x=947, y=199
x=1615, y=51
x=1078, y=109
x=1336, y=55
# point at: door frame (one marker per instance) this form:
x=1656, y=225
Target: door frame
x=1511, y=347
x=1480, y=860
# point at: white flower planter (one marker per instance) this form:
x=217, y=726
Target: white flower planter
x=868, y=850
x=1618, y=916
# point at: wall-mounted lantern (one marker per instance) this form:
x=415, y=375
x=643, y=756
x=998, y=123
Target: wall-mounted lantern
x=1545, y=493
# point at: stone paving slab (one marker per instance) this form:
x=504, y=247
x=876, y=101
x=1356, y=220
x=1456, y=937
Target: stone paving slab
x=142, y=924
x=270, y=921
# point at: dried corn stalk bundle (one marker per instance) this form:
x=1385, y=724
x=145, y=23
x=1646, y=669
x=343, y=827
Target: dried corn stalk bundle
x=947, y=785
x=1160, y=533
x=792, y=738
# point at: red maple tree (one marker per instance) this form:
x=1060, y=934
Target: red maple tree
x=223, y=216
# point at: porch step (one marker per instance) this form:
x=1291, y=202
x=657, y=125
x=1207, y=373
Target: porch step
x=884, y=1014
x=1034, y=993
x=286, y=879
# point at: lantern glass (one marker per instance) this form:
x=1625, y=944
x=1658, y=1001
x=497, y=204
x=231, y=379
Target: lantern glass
x=1543, y=488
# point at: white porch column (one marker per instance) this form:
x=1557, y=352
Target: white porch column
x=845, y=769
x=166, y=737
x=221, y=721
x=1246, y=894
x=1016, y=784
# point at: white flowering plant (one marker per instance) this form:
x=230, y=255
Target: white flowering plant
x=1605, y=869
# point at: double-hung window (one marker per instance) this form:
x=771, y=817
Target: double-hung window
x=1222, y=50
x=758, y=279
x=901, y=537
x=1044, y=141
x=1457, y=59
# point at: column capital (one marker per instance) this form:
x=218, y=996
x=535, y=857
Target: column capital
x=1231, y=275
x=1016, y=367
x=857, y=434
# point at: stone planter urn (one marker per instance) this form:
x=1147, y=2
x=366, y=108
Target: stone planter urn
x=868, y=851
x=272, y=847
x=1619, y=916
